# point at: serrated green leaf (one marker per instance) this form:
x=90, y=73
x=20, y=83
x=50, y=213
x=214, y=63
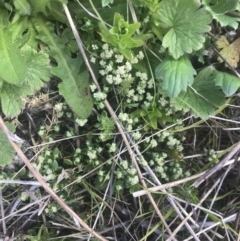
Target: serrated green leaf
x=219, y=9
x=226, y=20
x=227, y=82
x=38, y=67
x=176, y=74
x=74, y=86
x=13, y=66
x=23, y=7
x=11, y=98
x=7, y=152
x=186, y=22
x=203, y=97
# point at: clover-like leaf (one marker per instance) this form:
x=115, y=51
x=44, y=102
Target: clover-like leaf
x=7, y=152
x=187, y=23
x=203, y=97
x=38, y=67
x=227, y=82
x=176, y=74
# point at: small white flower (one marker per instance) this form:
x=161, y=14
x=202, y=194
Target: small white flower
x=94, y=47
x=93, y=87
x=100, y=96
x=102, y=72
x=92, y=154
x=123, y=116
x=140, y=55
x=153, y=143
x=113, y=147
x=119, y=58
x=108, y=54
x=109, y=68
x=143, y=77
x=136, y=135
x=117, y=79
x=105, y=47
x=134, y=60
x=109, y=79
x=81, y=122
x=120, y=70
x=93, y=60
x=128, y=66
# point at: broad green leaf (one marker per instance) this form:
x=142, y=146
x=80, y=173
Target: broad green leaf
x=77, y=95
x=11, y=98
x=203, y=97
x=13, y=66
x=23, y=7
x=7, y=152
x=176, y=74
x=74, y=86
x=227, y=82
x=187, y=22
x=38, y=67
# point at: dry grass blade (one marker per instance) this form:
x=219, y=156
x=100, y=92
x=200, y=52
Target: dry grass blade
x=37, y=175
x=218, y=166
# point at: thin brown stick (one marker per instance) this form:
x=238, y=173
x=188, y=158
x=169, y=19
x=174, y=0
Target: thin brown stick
x=37, y=175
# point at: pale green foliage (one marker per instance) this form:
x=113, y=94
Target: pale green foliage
x=202, y=97
x=187, y=22
x=74, y=86
x=176, y=74
x=6, y=151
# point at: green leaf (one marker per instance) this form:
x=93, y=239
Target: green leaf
x=74, y=86
x=77, y=94
x=227, y=82
x=186, y=22
x=120, y=35
x=176, y=74
x=11, y=98
x=224, y=6
x=220, y=8
x=39, y=6
x=106, y=2
x=23, y=7
x=203, y=97
x=13, y=66
x=38, y=67
x=7, y=152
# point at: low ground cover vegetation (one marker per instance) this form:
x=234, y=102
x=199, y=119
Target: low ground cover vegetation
x=127, y=113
